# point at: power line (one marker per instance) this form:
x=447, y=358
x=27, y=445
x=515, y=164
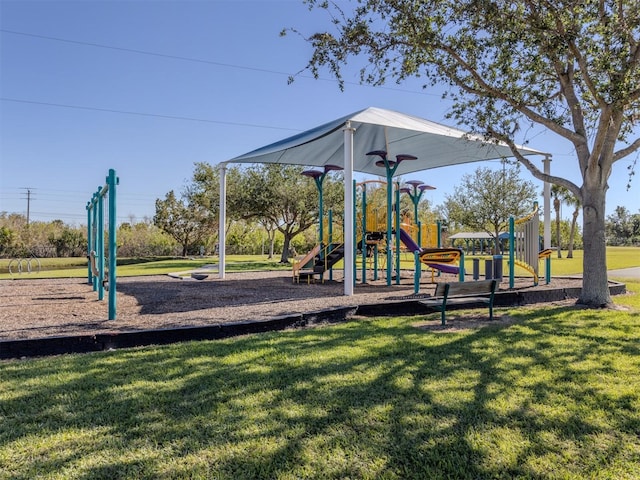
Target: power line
x=208, y=62
x=143, y=52
x=143, y=114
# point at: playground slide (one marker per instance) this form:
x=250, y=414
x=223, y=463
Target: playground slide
x=440, y=255
x=445, y=268
x=318, y=261
x=408, y=241
x=437, y=258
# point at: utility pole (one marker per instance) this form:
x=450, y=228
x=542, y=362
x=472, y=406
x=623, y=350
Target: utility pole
x=28, y=189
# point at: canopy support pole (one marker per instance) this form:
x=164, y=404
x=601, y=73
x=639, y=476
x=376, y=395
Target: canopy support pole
x=222, y=233
x=348, y=209
x=547, y=203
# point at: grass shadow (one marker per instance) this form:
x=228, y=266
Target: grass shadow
x=538, y=398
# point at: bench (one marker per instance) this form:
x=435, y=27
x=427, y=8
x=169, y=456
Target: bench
x=462, y=293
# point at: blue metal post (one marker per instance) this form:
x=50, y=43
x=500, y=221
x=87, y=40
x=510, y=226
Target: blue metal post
x=100, y=245
x=397, y=217
x=112, y=181
x=389, y=224
x=330, y=239
x=94, y=234
x=355, y=236
x=364, y=233
x=89, y=245
x=512, y=252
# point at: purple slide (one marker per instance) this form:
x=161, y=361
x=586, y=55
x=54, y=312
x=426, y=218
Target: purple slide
x=414, y=247
x=445, y=268
x=408, y=241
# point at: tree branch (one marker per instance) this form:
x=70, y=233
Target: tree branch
x=535, y=171
x=629, y=149
x=490, y=91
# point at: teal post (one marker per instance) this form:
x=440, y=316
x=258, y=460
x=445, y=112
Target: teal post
x=547, y=269
x=330, y=239
x=95, y=240
x=390, y=169
x=390, y=172
x=318, y=177
x=112, y=181
x=89, y=245
x=100, y=245
x=418, y=272
x=415, y=192
x=364, y=233
x=355, y=236
x=94, y=233
x=416, y=277
x=321, y=208
x=512, y=252
x=397, y=217
x=375, y=262
x=461, y=269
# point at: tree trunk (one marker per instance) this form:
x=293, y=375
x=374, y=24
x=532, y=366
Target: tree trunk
x=285, y=248
x=272, y=242
x=595, y=285
x=572, y=234
x=271, y=237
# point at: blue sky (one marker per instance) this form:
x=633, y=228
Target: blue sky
x=151, y=87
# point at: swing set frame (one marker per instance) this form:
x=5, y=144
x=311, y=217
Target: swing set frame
x=100, y=275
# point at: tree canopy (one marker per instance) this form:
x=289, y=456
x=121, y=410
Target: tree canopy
x=570, y=66
x=279, y=196
x=185, y=220
x=485, y=200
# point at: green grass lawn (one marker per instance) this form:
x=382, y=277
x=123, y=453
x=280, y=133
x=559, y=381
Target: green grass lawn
x=127, y=267
x=617, y=257
x=555, y=395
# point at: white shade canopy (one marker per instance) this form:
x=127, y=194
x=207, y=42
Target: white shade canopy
x=345, y=143
x=434, y=144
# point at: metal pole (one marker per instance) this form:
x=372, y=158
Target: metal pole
x=355, y=234
x=397, y=216
x=112, y=181
x=547, y=204
x=348, y=209
x=330, y=242
x=389, y=224
x=100, y=245
x=89, y=245
x=364, y=233
x=94, y=234
x=222, y=234
x=512, y=252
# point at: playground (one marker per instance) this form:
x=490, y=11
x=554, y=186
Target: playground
x=66, y=307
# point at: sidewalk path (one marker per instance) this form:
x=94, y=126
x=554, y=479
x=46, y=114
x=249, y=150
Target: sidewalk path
x=633, y=273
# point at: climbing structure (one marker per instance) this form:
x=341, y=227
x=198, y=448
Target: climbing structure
x=524, y=247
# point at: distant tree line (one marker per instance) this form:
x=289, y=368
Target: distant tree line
x=273, y=209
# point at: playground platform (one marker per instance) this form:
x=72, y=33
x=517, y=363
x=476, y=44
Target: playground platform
x=49, y=317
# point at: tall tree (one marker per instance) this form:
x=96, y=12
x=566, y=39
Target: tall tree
x=570, y=66
x=279, y=195
x=485, y=200
x=187, y=222
x=572, y=201
x=559, y=195
x=623, y=227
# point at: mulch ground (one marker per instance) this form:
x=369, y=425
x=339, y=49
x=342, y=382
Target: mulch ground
x=62, y=307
